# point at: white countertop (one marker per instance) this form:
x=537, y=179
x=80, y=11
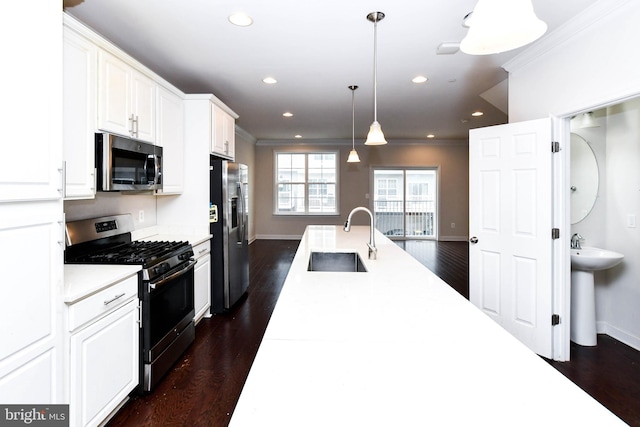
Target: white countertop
x=82, y=280
x=395, y=346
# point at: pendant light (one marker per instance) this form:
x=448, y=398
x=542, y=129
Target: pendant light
x=353, y=154
x=500, y=25
x=375, y=136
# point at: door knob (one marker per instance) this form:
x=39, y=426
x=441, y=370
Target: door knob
x=473, y=240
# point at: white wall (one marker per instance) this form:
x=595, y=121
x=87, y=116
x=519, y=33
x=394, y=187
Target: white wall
x=592, y=62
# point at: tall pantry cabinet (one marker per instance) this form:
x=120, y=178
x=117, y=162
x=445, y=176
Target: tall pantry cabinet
x=31, y=212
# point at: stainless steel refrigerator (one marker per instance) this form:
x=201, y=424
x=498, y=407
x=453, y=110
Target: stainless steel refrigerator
x=228, y=221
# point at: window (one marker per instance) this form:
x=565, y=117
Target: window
x=306, y=183
x=405, y=202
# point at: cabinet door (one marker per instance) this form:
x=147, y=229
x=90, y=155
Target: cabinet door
x=104, y=365
x=31, y=124
x=170, y=137
x=143, y=106
x=229, y=132
x=114, y=100
x=79, y=115
x=217, y=131
x=202, y=286
x=30, y=300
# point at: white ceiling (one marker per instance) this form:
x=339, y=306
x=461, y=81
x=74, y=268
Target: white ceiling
x=316, y=49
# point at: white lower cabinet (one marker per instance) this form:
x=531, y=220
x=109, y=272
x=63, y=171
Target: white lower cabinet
x=103, y=352
x=202, y=280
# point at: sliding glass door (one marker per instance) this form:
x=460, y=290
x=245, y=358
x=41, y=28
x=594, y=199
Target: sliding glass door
x=405, y=202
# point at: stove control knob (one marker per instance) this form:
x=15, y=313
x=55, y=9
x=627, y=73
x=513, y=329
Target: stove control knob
x=162, y=268
x=185, y=255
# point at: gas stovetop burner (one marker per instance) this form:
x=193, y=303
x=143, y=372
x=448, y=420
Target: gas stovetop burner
x=143, y=253
x=107, y=240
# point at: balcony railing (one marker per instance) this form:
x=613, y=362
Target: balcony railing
x=416, y=221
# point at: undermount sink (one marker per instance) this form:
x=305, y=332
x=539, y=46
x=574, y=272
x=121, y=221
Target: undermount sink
x=336, y=262
x=591, y=258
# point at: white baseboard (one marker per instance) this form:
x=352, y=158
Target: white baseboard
x=452, y=238
x=277, y=237
x=622, y=336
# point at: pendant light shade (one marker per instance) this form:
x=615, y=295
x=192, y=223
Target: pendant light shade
x=375, y=135
x=500, y=25
x=353, y=154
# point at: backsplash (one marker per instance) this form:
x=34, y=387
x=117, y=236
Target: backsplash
x=114, y=203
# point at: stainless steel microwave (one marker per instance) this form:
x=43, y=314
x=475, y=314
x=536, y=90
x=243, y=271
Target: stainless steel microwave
x=125, y=164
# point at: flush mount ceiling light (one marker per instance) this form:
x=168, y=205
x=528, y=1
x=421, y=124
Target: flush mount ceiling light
x=287, y=114
x=269, y=80
x=375, y=135
x=588, y=121
x=240, y=19
x=477, y=113
x=500, y=25
x=353, y=154
x=419, y=79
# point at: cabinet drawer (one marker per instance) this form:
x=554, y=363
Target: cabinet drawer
x=202, y=249
x=103, y=302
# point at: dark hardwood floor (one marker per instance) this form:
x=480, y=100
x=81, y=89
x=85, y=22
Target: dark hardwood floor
x=203, y=388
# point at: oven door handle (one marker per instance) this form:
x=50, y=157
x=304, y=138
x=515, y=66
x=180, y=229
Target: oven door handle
x=187, y=267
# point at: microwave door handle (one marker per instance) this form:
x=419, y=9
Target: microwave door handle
x=156, y=169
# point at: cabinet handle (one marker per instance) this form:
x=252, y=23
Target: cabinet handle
x=137, y=123
x=131, y=124
x=114, y=298
x=63, y=175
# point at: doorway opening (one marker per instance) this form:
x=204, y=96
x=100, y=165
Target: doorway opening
x=405, y=202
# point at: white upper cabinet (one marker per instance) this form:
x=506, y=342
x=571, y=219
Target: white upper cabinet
x=223, y=139
x=126, y=99
x=170, y=137
x=80, y=58
x=30, y=151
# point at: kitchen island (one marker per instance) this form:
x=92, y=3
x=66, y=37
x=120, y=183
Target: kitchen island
x=395, y=346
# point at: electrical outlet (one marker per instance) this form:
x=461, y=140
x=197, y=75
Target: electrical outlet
x=141, y=216
x=453, y=225
x=631, y=221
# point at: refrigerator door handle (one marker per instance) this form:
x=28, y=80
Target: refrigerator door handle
x=240, y=213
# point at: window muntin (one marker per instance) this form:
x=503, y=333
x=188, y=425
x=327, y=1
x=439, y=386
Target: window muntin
x=306, y=183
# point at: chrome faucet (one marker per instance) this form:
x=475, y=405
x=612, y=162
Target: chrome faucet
x=373, y=251
x=575, y=241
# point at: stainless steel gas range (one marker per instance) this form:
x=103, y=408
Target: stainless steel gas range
x=165, y=286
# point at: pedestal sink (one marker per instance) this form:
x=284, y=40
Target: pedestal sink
x=583, y=307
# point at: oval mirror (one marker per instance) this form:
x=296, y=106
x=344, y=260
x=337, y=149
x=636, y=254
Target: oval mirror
x=584, y=178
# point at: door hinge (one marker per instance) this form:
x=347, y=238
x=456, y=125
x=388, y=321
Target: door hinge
x=555, y=319
x=555, y=146
x=555, y=233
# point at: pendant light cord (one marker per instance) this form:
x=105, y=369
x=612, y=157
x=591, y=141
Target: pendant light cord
x=353, y=117
x=375, y=68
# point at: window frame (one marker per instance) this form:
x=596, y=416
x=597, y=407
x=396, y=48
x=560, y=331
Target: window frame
x=306, y=183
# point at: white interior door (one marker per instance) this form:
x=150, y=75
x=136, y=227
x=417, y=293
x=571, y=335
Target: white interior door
x=510, y=221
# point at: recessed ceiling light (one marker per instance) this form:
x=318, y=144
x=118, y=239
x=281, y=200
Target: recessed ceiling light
x=287, y=114
x=240, y=19
x=452, y=80
x=419, y=79
x=477, y=113
x=431, y=135
x=298, y=136
x=269, y=80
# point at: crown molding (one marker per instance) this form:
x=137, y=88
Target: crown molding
x=568, y=31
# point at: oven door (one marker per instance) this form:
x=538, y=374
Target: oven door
x=167, y=309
